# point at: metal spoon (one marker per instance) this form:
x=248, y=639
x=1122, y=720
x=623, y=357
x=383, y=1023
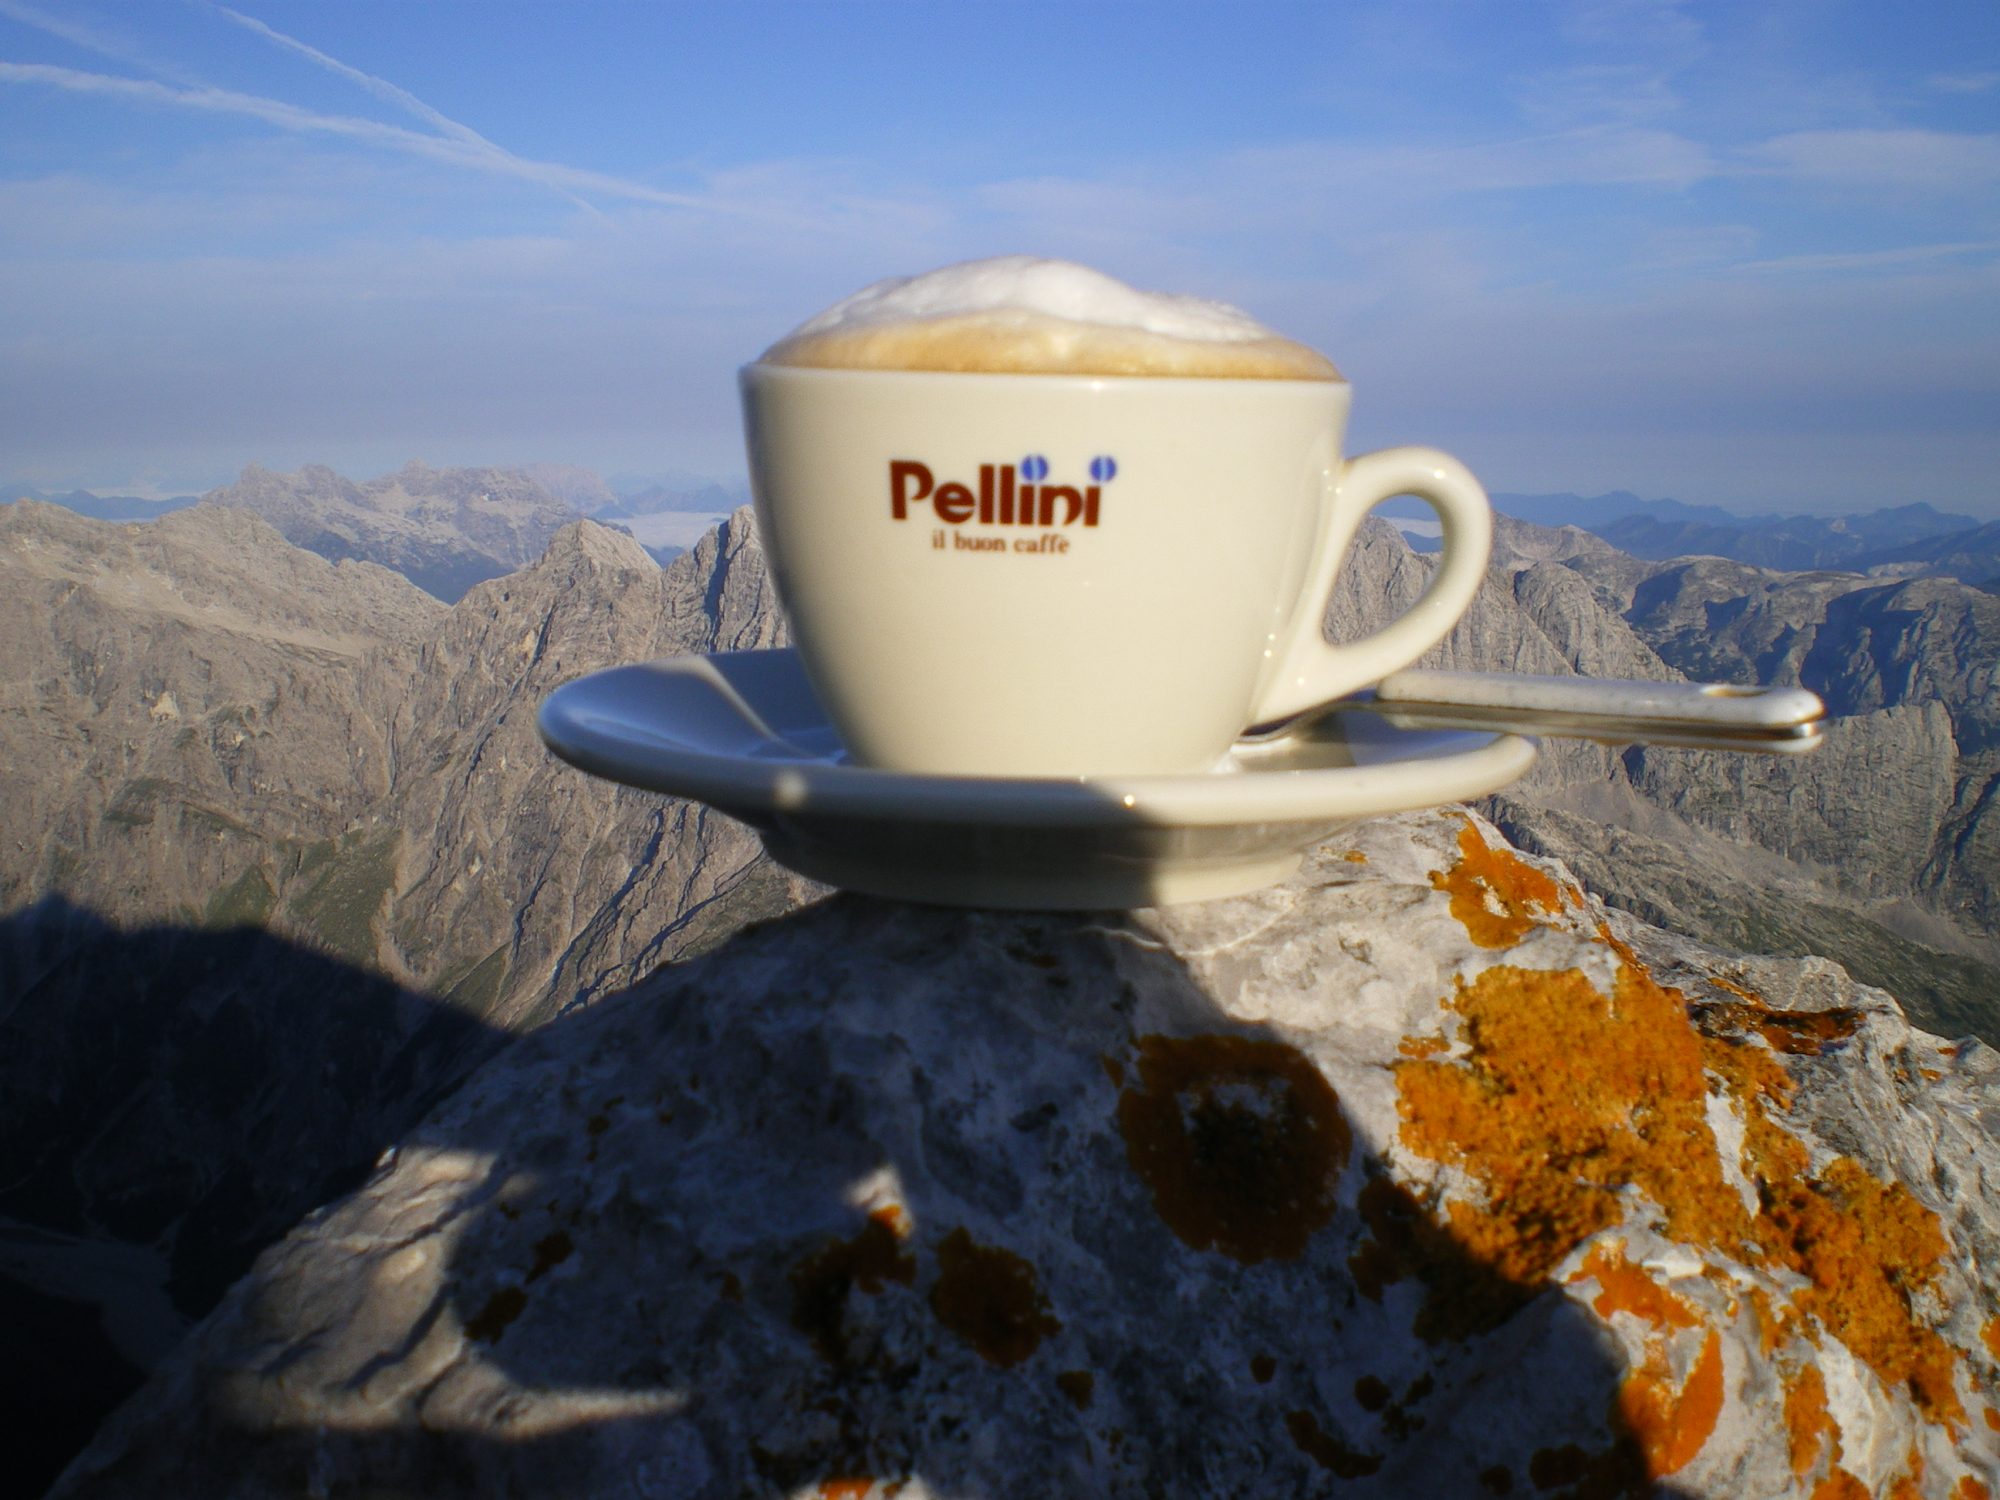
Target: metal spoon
x=1706, y=716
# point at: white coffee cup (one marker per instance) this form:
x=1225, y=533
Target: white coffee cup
x=1078, y=575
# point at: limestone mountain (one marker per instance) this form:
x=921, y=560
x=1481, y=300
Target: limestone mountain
x=1881, y=850
x=289, y=860
x=443, y=529
x=286, y=859
x=1422, y=1174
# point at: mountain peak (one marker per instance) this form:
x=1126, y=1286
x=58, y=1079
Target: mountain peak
x=1415, y=1172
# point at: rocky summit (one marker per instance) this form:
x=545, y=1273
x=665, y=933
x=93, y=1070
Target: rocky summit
x=1422, y=1174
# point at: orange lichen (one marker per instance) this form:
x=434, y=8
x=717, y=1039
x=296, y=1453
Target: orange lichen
x=1080, y=1386
x=822, y=1282
x=1567, y=1095
x=1624, y=1287
x=1868, y=1247
x=1241, y=1140
x=1355, y=857
x=895, y=1218
x=1775, y=1325
x=1969, y=1488
x=1670, y=1425
x=844, y=1489
x=1796, y=1033
x=1562, y=1098
x=1329, y=1452
x=1993, y=1419
x=1463, y=1295
x=1495, y=894
x=1808, y=1424
x=1263, y=1367
x=1910, y=1485
x=1422, y=1046
x=990, y=1298
x=551, y=1251
x=1840, y=1485
x=502, y=1308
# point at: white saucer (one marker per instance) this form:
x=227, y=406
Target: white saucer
x=743, y=732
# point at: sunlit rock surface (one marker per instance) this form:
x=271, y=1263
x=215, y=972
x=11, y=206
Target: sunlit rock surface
x=1414, y=1176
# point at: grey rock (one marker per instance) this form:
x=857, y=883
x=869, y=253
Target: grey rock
x=1406, y=1177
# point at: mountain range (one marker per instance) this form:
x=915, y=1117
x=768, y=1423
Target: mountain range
x=289, y=862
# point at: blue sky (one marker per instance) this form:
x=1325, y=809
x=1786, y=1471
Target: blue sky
x=1746, y=254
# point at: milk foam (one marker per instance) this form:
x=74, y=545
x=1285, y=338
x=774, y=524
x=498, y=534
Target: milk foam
x=1018, y=314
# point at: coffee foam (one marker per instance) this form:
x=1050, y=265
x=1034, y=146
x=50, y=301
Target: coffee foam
x=1021, y=315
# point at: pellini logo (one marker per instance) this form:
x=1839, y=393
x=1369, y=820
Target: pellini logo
x=1005, y=495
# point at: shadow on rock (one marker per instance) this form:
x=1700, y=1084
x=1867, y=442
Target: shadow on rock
x=172, y=1100
x=879, y=1199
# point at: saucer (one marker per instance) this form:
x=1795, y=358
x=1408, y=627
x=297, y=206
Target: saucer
x=742, y=732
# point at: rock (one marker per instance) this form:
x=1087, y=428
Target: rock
x=1419, y=1175
x=285, y=860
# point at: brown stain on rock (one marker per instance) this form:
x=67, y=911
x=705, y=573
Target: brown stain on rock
x=1080, y=1386
x=823, y=1281
x=990, y=1298
x=1262, y=1368
x=1240, y=1139
x=1496, y=895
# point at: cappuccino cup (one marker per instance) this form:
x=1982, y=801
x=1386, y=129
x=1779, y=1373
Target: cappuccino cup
x=1053, y=546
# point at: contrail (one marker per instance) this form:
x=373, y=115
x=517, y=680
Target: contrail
x=76, y=35
x=453, y=152
x=381, y=88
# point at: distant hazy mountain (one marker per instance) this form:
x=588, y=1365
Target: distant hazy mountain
x=655, y=499
x=100, y=507
x=1593, y=511
x=582, y=489
x=443, y=529
x=1910, y=539
x=1970, y=556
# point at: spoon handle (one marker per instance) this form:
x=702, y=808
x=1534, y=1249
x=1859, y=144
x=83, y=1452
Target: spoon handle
x=1715, y=716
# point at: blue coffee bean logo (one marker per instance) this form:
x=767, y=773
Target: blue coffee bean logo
x=1103, y=468
x=1034, y=468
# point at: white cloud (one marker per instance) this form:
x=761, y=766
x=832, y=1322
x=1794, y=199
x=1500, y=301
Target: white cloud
x=1874, y=260
x=1964, y=83
x=1900, y=160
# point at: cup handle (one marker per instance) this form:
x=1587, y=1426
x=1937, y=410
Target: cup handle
x=1313, y=670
